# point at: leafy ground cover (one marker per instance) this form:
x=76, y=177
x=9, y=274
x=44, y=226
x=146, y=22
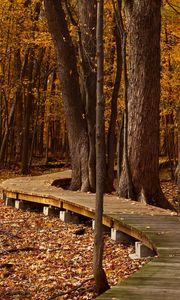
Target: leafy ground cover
x=42, y=258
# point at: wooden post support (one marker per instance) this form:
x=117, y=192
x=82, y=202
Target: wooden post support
x=141, y=251
x=121, y=236
x=50, y=211
x=106, y=230
x=19, y=204
x=69, y=217
x=9, y=201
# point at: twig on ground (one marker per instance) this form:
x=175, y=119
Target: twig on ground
x=13, y=293
x=9, y=234
x=6, y=265
x=17, y=250
x=28, y=249
x=71, y=290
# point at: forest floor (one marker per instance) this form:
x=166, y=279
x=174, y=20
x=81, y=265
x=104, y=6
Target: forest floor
x=43, y=258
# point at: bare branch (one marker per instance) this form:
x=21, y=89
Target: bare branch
x=173, y=7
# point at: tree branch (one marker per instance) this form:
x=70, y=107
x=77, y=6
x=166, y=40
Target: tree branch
x=73, y=21
x=172, y=6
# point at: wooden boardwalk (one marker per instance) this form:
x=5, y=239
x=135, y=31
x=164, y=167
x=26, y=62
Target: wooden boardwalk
x=158, y=229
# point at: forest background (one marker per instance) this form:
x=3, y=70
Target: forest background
x=32, y=122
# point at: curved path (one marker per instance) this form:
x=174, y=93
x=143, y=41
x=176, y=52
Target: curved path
x=158, y=229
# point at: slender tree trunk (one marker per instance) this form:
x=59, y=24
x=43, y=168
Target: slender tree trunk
x=120, y=142
x=144, y=20
x=11, y=116
x=28, y=104
x=178, y=168
x=99, y=274
x=6, y=133
x=111, y=143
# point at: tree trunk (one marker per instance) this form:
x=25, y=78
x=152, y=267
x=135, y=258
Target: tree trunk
x=111, y=142
x=178, y=167
x=87, y=45
x=99, y=274
x=143, y=18
x=28, y=104
x=73, y=106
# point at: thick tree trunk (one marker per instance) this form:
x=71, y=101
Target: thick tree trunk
x=87, y=25
x=143, y=102
x=73, y=106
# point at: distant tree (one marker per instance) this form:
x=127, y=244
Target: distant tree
x=26, y=74
x=178, y=166
x=143, y=25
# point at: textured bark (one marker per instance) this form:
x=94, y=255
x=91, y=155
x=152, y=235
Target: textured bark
x=17, y=76
x=111, y=142
x=99, y=274
x=87, y=25
x=143, y=102
x=73, y=106
x=27, y=118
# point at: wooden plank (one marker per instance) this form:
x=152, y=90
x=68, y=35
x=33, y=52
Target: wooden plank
x=41, y=200
x=140, y=294
x=78, y=210
x=11, y=195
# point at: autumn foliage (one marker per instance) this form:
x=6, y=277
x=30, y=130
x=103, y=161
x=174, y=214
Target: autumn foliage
x=31, y=108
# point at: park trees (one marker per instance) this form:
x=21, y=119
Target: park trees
x=142, y=113
x=79, y=101
x=29, y=83
x=144, y=23
x=73, y=105
x=30, y=96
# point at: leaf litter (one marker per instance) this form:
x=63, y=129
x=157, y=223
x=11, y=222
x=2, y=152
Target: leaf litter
x=42, y=258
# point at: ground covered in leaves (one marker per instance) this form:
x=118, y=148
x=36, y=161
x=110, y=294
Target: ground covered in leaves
x=42, y=258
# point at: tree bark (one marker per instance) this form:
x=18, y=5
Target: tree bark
x=144, y=20
x=27, y=118
x=111, y=141
x=87, y=25
x=99, y=274
x=73, y=106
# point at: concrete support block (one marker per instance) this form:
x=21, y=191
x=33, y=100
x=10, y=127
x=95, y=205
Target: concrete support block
x=50, y=211
x=69, y=217
x=4, y=197
x=19, y=204
x=106, y=230
x=141, y=251
x=121, y=236
x=9, y=201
